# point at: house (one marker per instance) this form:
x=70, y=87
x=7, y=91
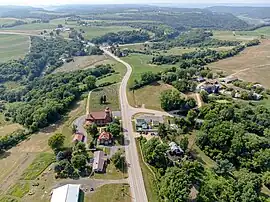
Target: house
x=175, y=149
x=78, y=137
x=99, y=161
x=210, y=88
x=140, y=122
x=105, y=138
x=67, y=193
x=99, y=118
x=230, y=79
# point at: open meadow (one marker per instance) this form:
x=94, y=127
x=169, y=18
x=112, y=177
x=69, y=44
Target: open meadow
x=13, y=46
x=253, y=64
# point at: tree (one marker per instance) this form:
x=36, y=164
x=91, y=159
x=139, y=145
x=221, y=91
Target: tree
x=162, y=131
x=204, y=95
x=209, y=75
x=80, y=148
x=101, y=101
x=191, y=116
x=119, y=161
x=57, y=31
x=92, y=129
x=184, y=143
x=90, y=81
x=78, y=161
x=224, y=167
x=56, y=141
x=114, y=128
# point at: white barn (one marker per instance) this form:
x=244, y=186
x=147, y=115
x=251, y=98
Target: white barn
x=66, y=193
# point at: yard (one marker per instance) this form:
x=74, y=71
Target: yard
x=13, y=46
x=19, y=189
x=111, y=173
x=112, y=94
x=250, y=65
x=110, y=193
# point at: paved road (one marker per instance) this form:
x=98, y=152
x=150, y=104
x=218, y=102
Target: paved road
x=135, y=174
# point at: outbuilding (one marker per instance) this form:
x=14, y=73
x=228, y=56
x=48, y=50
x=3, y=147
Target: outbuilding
x=67, y=193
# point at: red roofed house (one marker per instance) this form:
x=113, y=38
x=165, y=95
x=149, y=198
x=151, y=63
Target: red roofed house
x=79, y=137
x=99, y=118
x=105, y=138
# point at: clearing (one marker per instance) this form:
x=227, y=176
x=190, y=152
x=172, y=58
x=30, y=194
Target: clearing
x=111, y=193
x=250, y=65
x=148, y=96
x=81, y=63
x=13, y=46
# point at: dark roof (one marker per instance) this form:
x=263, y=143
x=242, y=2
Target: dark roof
x=96, y=115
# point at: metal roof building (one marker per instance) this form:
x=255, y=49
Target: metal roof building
x=66, y=193
x=99, y=161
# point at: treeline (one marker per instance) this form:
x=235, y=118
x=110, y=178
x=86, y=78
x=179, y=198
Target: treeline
x=122, y=37
x=45, y=99
x=194, y=38
x=45, y=55
x=201, y=57
x=8, y=141
x=146, y=78
x=13, y=24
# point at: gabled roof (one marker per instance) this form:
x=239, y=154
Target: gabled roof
x=66, y=193
x=96, y=115
x=99, y=160
x=105, y=136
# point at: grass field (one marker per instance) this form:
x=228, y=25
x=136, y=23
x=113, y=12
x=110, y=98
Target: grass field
x=110, y=193
x=234, y=36
x=41, y=162
x=148, y=96
x=111, y=92
x=140, y=64
x=81, y=63
x=250, y=65
x=111, y=173
x=148, y=178
x=19, y=189
x=13, y=46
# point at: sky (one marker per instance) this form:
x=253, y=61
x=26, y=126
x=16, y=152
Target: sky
x=59, y=2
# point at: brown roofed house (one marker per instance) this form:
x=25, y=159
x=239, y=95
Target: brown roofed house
x=99, y=118
x=105, y=138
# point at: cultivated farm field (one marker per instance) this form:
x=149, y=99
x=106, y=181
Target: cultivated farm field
x=253, y=64
x=13, y=46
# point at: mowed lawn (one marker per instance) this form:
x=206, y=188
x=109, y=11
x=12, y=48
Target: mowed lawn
x=110, y=193
x=253, y=64
x=112, y=94
x=13, y=46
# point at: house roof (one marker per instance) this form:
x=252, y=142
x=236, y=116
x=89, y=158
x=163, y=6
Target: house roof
x=98, y=115
x=105, y=136
x=66, y=193
x=99, y=159
x=79, y=137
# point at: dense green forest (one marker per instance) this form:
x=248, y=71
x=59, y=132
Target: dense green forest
x=123, y=37
x=194, y=38
x=43, y=100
